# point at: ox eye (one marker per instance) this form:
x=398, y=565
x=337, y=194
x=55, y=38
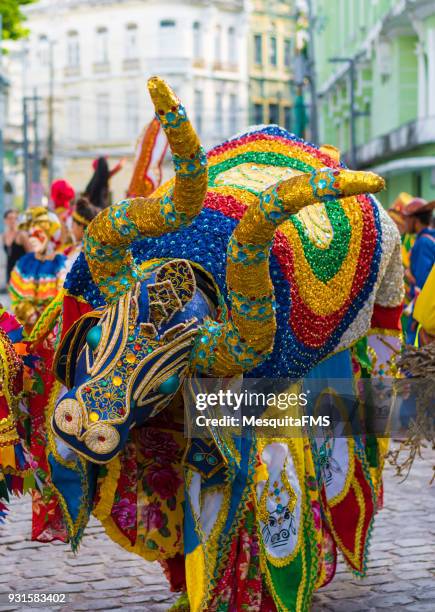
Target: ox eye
x=93, y=336
x=170, y=385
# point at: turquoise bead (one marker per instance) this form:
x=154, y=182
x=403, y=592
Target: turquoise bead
x=170, y=385
x=93, y=336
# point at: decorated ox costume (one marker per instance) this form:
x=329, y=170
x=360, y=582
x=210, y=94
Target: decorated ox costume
x=260, y=259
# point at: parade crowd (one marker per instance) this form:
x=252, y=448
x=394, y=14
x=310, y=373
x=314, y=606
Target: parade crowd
x=42, y=244
x=414, y=219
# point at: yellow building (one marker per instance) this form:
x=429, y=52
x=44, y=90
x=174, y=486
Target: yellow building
x=270, y=60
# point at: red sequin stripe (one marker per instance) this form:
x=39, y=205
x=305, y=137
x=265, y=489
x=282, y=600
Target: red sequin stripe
x=226, y=204
x=235, y=144
x=387, y=318
x=310, y=329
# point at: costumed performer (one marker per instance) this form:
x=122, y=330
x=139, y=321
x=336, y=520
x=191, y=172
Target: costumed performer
x=37, y=276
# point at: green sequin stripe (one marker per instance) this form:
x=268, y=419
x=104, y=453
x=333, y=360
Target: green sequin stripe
x=325, y=263
x=257, y=157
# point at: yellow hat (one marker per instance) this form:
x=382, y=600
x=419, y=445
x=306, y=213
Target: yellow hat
x=402, y=200
x=43, y=218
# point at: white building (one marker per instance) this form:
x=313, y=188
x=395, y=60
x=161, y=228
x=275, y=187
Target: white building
x=100, y=54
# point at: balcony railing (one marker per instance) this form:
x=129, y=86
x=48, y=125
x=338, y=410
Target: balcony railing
x=198, y=63
x=71, y=71
x=408, y=136
x=225, y=66
x=101, y=67
x=170, y=65
x=131, y=64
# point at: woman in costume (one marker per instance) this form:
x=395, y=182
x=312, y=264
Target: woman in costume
x=240, y=522
x=37, y=276
x=97, y=190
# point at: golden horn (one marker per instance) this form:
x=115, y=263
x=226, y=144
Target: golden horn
x=248, y=337
x=111, y=233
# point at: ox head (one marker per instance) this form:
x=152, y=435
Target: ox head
x=125, y=363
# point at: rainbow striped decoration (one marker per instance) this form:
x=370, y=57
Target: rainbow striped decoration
x=326, y=264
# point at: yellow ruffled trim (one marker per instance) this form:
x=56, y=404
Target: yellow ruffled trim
x=103, y=509
x=107, y=490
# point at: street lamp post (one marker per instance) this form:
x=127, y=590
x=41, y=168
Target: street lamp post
x=36, y=170
x=50, y=143
x=25, y=153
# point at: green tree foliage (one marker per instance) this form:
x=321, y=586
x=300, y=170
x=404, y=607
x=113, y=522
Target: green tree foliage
x=13, y=18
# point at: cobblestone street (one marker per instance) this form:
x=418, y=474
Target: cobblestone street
x=104, y=577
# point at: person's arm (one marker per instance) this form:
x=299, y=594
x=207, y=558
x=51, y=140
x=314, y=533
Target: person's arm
x=423, y=260
x=117, y=168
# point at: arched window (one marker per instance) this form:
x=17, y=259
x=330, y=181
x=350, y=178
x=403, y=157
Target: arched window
x=258, y=49
x=218, y=44
x=197, y=40
x=166, y=37
x=72, y=49
x=232, y=46
x=131, y=41
x=43, y=53
x=102, y=46
x=273, y=50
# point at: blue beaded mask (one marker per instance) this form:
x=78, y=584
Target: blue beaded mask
x=126, y=362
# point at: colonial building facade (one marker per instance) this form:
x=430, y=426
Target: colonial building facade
x=391, y=44
x=98, y=55
x=271, y=49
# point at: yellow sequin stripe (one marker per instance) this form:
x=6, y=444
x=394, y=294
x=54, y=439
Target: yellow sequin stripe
x=108, y=486
x=48, y=318
x=114, y=229
x=269, y=146
x=326, y=298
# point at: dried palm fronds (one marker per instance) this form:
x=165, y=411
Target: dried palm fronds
x=417, y=364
